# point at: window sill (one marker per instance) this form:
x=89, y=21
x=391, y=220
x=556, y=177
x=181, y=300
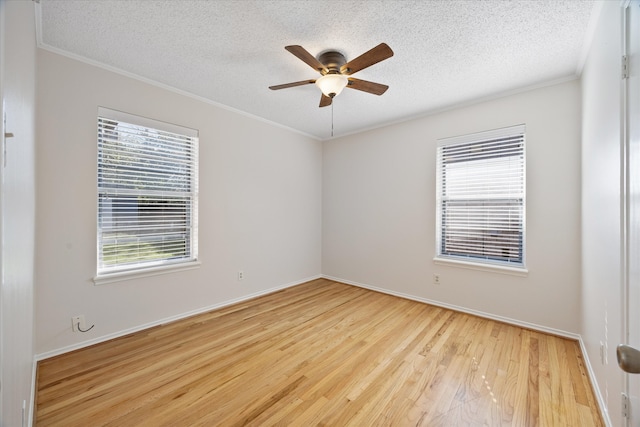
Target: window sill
x=146, y=272
x=494, y=268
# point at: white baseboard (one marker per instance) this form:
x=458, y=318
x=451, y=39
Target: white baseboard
x=594, y=384
x=34, y=376
x=478, y=313
x=83, y=344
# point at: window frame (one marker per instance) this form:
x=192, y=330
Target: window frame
x=189, y=140
x=470, y=260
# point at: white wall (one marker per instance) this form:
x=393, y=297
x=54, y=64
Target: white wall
x=379, y=210
x=260, y=206
x=601, y=206
x=18, y=210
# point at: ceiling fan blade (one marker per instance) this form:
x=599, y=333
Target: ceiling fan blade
x=306, y=57
x=325, y=101
x=293, y=84
x=367, y=59
x=366, y=86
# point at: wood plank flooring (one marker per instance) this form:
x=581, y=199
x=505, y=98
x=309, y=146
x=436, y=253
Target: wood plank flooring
x=321, y=353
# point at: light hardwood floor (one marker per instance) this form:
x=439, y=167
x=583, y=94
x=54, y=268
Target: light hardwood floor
x=322, y=353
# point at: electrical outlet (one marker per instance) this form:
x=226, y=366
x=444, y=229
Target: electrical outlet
x=77, y=323
x=436, y=279
x=240, y=275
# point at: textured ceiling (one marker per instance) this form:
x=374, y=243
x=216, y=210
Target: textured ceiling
x=229, y=52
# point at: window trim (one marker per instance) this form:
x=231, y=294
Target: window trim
x=162, y=266
x=145, y=272
x=479, y=263
x=477, y=266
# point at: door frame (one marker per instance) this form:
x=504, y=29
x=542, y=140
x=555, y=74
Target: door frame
x=2, y=160
x=630, y=224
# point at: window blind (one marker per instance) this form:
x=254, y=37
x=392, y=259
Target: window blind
x=481, y=197
x=147, y=193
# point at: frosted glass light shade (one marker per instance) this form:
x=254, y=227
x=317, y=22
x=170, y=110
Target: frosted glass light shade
x=332, y=84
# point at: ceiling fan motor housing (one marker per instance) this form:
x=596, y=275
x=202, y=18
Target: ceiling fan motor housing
x=332, y=60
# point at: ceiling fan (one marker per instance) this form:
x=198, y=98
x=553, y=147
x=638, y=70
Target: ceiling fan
x=335, y=71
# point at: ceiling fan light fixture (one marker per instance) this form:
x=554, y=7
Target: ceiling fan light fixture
x=332, y=84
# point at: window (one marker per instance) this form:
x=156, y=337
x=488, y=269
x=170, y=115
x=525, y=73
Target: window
x=481, y=198
x=147, y=193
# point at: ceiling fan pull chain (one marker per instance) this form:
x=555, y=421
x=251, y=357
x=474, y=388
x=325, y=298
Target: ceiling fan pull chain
x=332, y=120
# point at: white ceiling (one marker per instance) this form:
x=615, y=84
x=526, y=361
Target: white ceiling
x=447, y=52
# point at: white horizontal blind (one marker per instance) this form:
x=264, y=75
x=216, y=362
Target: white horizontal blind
x=147, y=193
x=481, y=197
